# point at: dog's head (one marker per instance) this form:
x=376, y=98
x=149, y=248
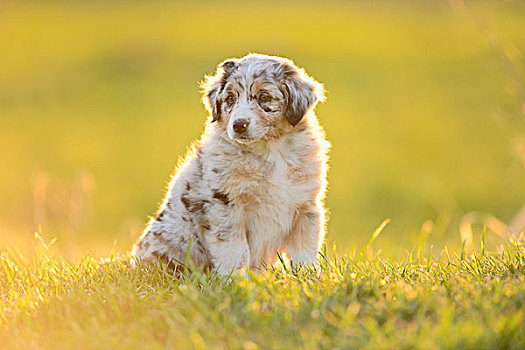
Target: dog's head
x=259, y=97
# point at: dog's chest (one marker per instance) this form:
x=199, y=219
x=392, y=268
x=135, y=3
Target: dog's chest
x=255, y=182
x=264, y=194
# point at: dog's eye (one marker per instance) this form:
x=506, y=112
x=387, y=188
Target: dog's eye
x=264, y=97
x=230, y=100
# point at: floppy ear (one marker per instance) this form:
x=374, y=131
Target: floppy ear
x=213, y=86
x=301, y=93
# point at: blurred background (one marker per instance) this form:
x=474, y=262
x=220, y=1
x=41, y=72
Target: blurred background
x=425, y=111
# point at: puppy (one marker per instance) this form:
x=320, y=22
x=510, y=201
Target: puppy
x=254, y=184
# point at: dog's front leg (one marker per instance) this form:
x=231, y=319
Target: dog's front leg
x=306, y=236
x=228, y=251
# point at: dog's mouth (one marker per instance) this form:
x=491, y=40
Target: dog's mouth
x=244, y=140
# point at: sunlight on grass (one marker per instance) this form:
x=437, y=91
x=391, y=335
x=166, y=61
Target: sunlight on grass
x=417, y=302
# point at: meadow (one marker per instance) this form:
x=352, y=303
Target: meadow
x=426, y=116
x=358, y=301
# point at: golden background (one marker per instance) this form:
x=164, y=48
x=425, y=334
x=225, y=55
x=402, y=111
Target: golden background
x=425, y=112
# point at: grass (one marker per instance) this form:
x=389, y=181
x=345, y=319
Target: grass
x=359, y=301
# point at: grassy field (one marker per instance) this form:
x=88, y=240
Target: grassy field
x=360, y=301
x=426, y=115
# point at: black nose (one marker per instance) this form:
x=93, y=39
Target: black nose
x=240, y=126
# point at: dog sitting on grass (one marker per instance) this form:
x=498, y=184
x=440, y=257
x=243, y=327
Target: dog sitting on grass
x=254, y=184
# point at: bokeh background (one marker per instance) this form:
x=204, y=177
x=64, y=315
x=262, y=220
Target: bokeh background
x=425, y=111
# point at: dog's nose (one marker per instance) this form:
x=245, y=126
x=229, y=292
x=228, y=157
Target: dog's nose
x=240, y=126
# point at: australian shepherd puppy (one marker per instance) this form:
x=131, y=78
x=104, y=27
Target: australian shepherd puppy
x=254, y=184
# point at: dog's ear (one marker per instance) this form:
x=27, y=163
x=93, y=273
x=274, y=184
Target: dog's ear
x=213, y=85
x=301, y=93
